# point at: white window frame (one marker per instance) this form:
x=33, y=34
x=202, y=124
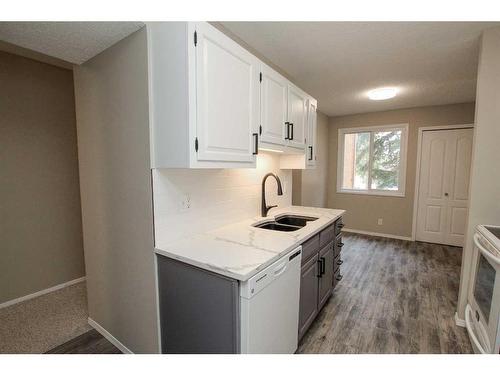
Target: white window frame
x=402, y=170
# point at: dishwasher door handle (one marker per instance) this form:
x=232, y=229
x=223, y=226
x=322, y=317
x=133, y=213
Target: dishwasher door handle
x=280, y=269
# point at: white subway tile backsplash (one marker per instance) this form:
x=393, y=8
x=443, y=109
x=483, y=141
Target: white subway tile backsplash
x=217, y=197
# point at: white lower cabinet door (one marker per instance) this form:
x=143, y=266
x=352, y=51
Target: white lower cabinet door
x=444, y=186
x=227, y=95
x=297, y=117
x=273, y=106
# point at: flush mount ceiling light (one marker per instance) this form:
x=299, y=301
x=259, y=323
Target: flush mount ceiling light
x=382, y=93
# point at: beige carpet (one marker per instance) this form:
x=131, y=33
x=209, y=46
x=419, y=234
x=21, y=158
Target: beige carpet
x=42, y=323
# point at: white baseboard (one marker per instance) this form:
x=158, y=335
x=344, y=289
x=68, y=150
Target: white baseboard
x=459, y=322
x=41, y=292
x=109, y=336
x=376, y=234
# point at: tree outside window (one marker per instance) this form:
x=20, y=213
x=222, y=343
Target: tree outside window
x=372, y=160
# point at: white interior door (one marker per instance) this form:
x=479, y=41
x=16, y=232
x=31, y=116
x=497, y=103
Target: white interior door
x=273, y=106
x=297, y=116
x=227, y=93
x=444, y=186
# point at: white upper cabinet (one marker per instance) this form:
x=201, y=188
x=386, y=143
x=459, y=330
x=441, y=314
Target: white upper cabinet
x=273, y=108
x=297, y=117
x=304, y=159
x=212, y=102
x=204, y=98
x=311, y=132
x=227, y=98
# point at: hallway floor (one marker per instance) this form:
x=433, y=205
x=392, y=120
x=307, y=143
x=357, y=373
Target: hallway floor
x=396, y=297
x=42, y=323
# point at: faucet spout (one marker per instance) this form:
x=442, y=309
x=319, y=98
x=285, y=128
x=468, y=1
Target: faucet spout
x=265, y=208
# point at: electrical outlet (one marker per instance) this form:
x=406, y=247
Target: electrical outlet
x=185, y=203
x=380, y=221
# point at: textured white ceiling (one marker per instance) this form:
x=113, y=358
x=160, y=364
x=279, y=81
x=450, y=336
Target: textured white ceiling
x=337, y=62
x=75, y=42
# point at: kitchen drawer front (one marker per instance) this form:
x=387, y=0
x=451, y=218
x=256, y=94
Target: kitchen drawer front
x=338, y=246
x=337, y=276
x=326, y=235
x=336, y=263
x=338, y=226
x=310, y=248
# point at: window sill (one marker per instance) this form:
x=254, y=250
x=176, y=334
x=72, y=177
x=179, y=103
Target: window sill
x=396, y=194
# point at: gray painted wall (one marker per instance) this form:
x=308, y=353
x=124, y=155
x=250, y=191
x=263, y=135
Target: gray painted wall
x=363, y=211
x=113, y=149
x=40, y=217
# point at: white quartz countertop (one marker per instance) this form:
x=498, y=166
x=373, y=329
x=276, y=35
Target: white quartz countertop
x=240, y=250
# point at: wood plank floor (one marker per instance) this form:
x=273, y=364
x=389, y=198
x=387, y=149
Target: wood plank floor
x=395, y=297
x=91, y=342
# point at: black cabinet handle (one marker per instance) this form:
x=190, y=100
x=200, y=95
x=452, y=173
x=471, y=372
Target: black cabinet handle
x=287, y=124
x=339, y=277
x=340, y=244
x=341, y=225
x=311, y=150
x=323, y=265
x=291, y=136
x=339, y=262
x=256, y=149
x=320, y=268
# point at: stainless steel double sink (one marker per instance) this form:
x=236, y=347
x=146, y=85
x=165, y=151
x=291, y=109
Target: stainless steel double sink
x=286, y=223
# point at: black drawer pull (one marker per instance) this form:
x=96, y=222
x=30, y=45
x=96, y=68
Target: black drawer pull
x=340, y=261
x=323, y=265
x=339, y=277
x=340, y=225
x=256, y=149
x=291, y=136
x=287, y=124
x=311, y=155
x=340, y=244
x=320, y=268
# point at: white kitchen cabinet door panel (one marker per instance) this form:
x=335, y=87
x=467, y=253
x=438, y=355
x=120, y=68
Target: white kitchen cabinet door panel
x=311, y=133
x=227, y=92
x=297, y=117
x=273, y=106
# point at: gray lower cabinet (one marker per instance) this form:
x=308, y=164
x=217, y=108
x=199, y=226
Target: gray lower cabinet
x=187, y=328
x=326, y=274
x=308, y=294
x=320, y=272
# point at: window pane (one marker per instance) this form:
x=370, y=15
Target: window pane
x=386, y=160
x=356, y=156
